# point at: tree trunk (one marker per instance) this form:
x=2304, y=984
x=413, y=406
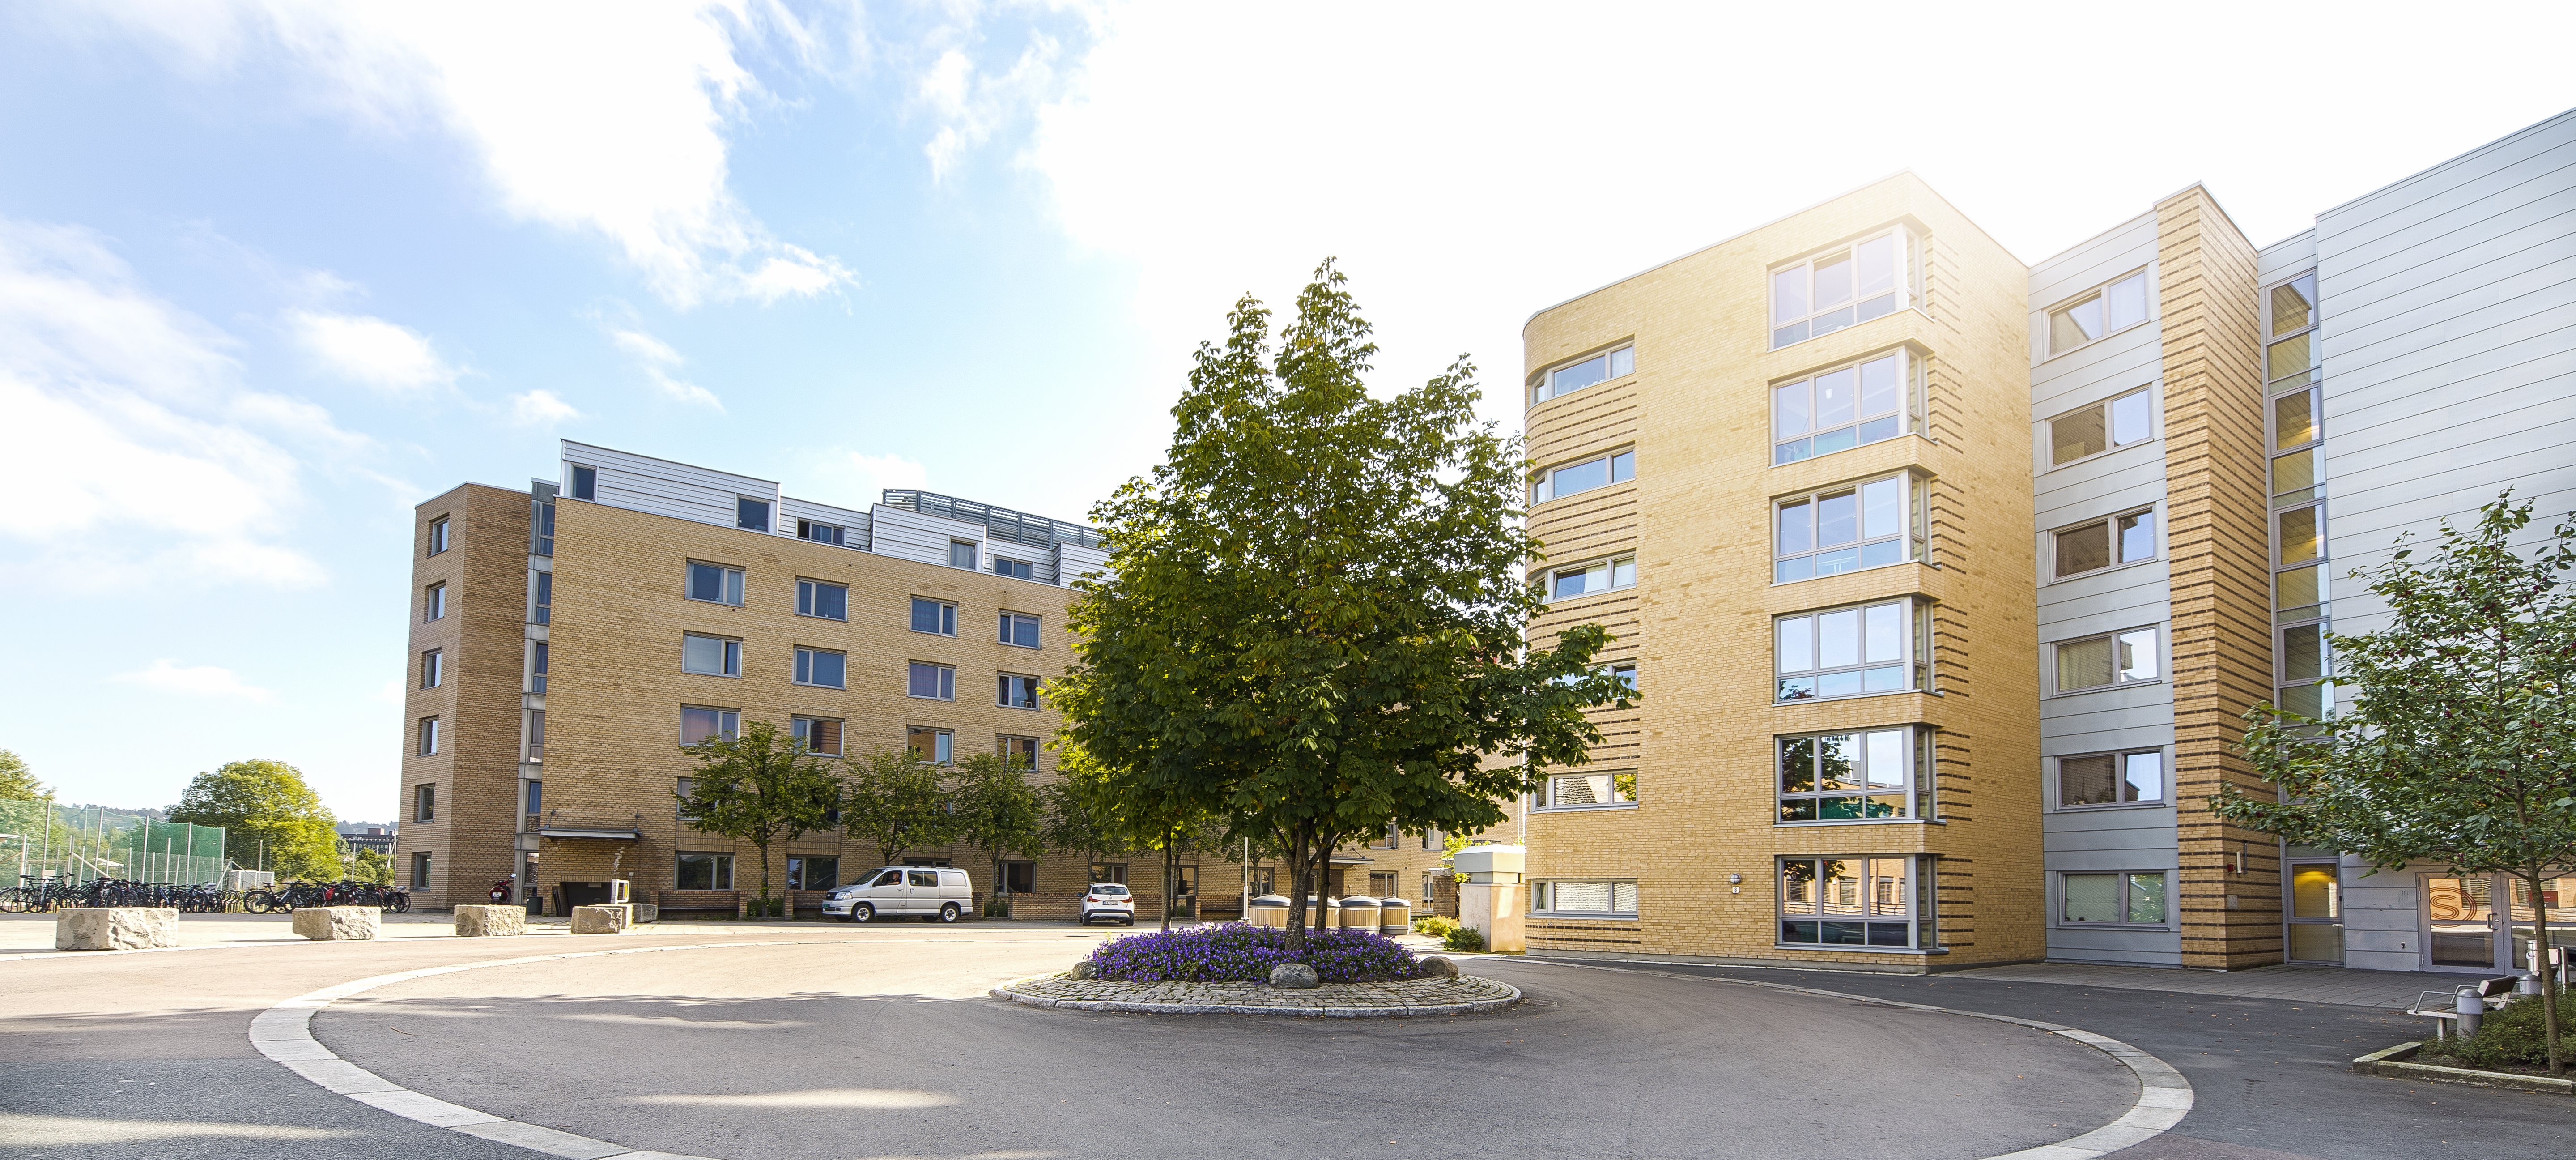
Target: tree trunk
x=763, y=847
x=2548, y=980
x=1298, y=864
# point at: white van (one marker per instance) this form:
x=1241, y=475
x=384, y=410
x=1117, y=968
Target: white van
x=930, y=893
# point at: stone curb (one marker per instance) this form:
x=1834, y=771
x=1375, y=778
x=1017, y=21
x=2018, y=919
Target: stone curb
x=2394, y=1063
x=1008, y=991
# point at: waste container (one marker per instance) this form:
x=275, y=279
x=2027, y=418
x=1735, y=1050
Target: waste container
x=1358, y=912
x=1319, y=916
x=1268, y=910
x=1394, y=917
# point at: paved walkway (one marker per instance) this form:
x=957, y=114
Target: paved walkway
x=2383, y=990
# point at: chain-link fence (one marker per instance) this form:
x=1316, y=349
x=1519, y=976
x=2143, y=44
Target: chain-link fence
x=42, y=840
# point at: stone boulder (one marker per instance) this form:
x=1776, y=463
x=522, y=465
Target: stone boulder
x=1436, y=967
x=601, y=919
x=1296, y=975
x=646, y=912
x=115, y=928
x=338, y=923
x=1086, y=969
x=490, y=921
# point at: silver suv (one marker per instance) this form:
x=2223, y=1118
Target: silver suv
x=1108, y=900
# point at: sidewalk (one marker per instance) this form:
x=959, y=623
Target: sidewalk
x=2383, y=990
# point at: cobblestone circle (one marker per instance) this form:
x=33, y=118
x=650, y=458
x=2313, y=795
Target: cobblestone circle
x=1458, y=996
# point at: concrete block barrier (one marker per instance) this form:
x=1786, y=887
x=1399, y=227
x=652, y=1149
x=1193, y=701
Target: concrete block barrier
x=490, y=921
x=338, y=923
x=601, y=919
x=115, y=928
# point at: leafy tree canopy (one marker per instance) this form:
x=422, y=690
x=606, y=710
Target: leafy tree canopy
x=759, y=786
x=899, y=802
x=272, y=820
x=17, y=782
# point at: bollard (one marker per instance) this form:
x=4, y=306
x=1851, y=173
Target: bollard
x=2471, y=1007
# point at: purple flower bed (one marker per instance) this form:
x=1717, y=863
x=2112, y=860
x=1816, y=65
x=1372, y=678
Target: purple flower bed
x=1241, y=952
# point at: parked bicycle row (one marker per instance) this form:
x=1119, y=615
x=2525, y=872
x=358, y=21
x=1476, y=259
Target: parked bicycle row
x=41, y=895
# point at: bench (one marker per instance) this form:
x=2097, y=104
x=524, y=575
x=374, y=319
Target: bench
x=2444, y=1010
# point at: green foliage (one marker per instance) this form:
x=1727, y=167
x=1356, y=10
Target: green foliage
x=2458, y=744
x=1464, y=938
x=759, y=786
x=1311, y=619
x=899, y=802
x=374, y=866
x=2514, y=1037
x=1081, y=810
x=272, y=820
x=1435, y=926
x=997, y=811
x=17, y=782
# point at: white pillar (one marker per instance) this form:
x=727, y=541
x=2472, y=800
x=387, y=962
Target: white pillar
x=1490, y=900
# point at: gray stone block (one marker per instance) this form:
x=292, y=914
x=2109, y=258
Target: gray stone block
x=1086, y=969
x=115, y=928
x=490, y=921
x=1295, y=975
x=602, y=919
x=1437, y=967
x=338, y=923
x=646, y=912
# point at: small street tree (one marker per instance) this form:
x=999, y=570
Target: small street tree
x=1081, y=812
x=272, y=820
x=2457, y=742
x=998, y=811
x=759, y=786
x=899, y=802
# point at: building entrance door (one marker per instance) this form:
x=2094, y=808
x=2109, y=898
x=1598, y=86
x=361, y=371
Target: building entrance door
x=2316, y=913
x=2460, y=923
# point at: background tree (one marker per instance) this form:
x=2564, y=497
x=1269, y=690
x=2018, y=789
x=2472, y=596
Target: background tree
x=272, y=820
x=374, y=866
x=899, y=802
x=759, y=786
x=17, y=782
x=1312, y=614
x=1081, y=812
x=998, y=811
x=2457, y=742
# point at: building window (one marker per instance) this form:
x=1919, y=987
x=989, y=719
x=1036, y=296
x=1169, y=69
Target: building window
x=1109, y=872
x=934, y=616
x=713, y=656
x=812, y=873
x=1578, y=478
x=2304, y=669
x=537, y=654
x=2098, y=312
x=820, y=668
x=2111, y=779
x=2102, y=543
x=937, y=682
x=1019, y=877
x=434, y=605
x=438, y=535
x=585, y=482
x=1563, y=896
x=432, y=672
x=1567, y=791
x=1845, y=407
x=541, y=526
x=1846, y=529
x=424, y=803
x=541, y=597
x=2292, y=356
x=1855, y=902
x=1845, y=286
x=715, y=583
x=822, y=533
x=703, y=871
x=934, y=745
x=536, y=736
x=1015, y=569
x=2298, y=436
x=1850, y=777
x=2125, y=899
x=961, y=554
x=817, y=734
x=1578, y=375
x=428, y=736
x=2099, y=662
x=683, y=788
x=751, y=513
x=535, y=802
x=2089, y=431
x=1587, y=579
x=1852, y=652
x=1018, y=751
x=816, y=598
x=699, y=724
x=1430, y=893
x=1019, y=630
x=420, y=870
x=1018, y=692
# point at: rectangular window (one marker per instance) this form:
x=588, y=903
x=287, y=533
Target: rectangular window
x=585, y=482
x=2294, y=305
x=2298, y=433
x=2111, y=779
x=751, y=513
x=816, y=598
x=1850, y=777
x=715, y=583
x=935, y=745
x=1430, y=892
x=1565, y=896
x=1584, y=476
x=536, y=736
x=1851, y=652
x=1019, y=630
x=822, y=533
x=541, y=597
x=428, y=736
x=698, y=724
x=2110, y=309
x=812, y=873
x=2293, y=356
x=2121, y=539
x=2099, y=662
x=424, y=803
x=541, y=528
x=817, y=734
x=703, y=871
x=1847, y=529
x=1854, y=902
x=2304, y=670
x=1587, y=579
x=420, y=871
x=431, y=671
x=961, y=554
x=1018, y=751
x=683, y=787
x=1844, y=408
x=1567, y=791
x=538, y=652
x=1104, y=872
x=1015, y=569
x=1018, y=692
x=434, y=605
x=1846, y=286
x=937, y=682
x=934, y=616
x=2126, y=899
x=438, y=535
x=1019, y=877
x=712, y=655
x=536, y=799
x=2088, y=431
x=1575, y=376
x=820, y=668
x=2295, y=536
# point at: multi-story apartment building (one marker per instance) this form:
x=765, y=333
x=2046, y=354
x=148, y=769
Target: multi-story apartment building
x=566, y=640
x=1945, y=721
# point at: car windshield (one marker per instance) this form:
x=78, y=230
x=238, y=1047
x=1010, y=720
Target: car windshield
x=1109, y=890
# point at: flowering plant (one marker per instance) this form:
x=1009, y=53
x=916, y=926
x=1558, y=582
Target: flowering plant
x=1241, y=952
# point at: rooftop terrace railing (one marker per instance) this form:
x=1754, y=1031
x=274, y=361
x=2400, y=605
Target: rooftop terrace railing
x=1003, y=523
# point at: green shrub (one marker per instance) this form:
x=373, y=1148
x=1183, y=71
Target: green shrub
x=1464, y=938
x=1434, y=925
x=998, y=906
x=2510, y=1037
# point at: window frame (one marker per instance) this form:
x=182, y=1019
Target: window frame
x=541, y=596
x=1010, y=569
x=1919, y=756
x=1542, y=893
x=1005, y=746
x=1544, y=799
x=1905, y=288
x=585, y=483
x=801, y=727
x=433, y=605
x=732, y=580
x=1008, y=621
x=1914, y=628
x=2110, y=525
x=728, y=722
x=1913, y=544
x=946, y=615
x=1610, y=563
x=540, y=654
x=945, y=679
x=728, y=652
x=427, y=736
x=1921, y=919
x=2056, y=658
x=808, y=593
x=818, y=532
x=1544, y=488
x=2100, y=292
x=1913, y=372
x=808, y=664
x=719, y=865
x=420, y=869
x=742, y=513
x=424, y=802
x=2057, y=910
x=438, y=537
x=1003, y=689
x=2108, y=407
x=1613, y=368
x=433, y=668
x=973, y=554
x=2120, y=776
x=941, y=739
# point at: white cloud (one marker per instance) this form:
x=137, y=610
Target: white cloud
x=539, y=409
x=167, y=676
x=370, y=351
x=659, y=360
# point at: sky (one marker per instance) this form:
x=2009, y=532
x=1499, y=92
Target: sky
x=272, y=273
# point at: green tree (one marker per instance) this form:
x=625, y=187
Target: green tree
x=272, y=820
x=374, y=866
x=17, y=782
x=998, y=811
x=1312, y=615
x=759, y=786
x=2457, y=740
x=1081, y=814
x=899, y=802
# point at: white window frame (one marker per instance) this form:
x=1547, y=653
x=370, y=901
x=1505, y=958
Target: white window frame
x=1905, y=419
x=585, y=483
x=1544, y=894
x=818, y=532
x=1621, y=790
x=428, y=746
x=805, y=664
x=728, y=722
x=1867, y=909
x=947, y=616
x=1007, y=621
x=1795, y=567
x=1790, y=326
x=947, y=680
x=943, y=745
x=802, y=728
x=434, y=605
x=2275, y=378
x=972, y=554
x=1796, y=685
x=2057, y=910
x=1913, y=755
x=1617, y=363
x=731, y=582
x=2120, y=773
x=1003, y=688
x=1618, y=573
x=2109, y=411
x=1617, y=467
x=1010, y=567
x=807, y=589
x=2155, y=645
x=2114, y=543
x=768, y=513
x=438, y=541
x=2101, y=294
x=728, y=655
x=433, y=668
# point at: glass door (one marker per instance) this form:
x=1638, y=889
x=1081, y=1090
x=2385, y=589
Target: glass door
x=2316, y=913
x=2559, y=895
x=2460, y=923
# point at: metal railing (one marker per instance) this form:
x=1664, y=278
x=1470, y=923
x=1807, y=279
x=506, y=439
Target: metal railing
x=1003, y=523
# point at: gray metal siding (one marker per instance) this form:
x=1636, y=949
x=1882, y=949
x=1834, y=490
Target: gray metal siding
x=2286, y=257
x=911, y=535
x=1073, y=562
x=856, y=522
x=661, y=487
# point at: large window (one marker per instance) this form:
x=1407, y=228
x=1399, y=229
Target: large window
x=937, y=616
x=2091, y=430
x=1847, y=528
x=822, y=533
x=939, y=745
x=585, y=482
x=1587, y=579
x=713, y=656
x=703, y=871
x=961, y=554
x=2291, y=357
x=1875, y=901
x=813, y=873
x=2113, y=658
x=1845, y=407
x=2111, y=779
x=1018, y=692
x=818, y=598
x=2095, y=313
x=1848, y=285
x=1015, y=569
x=697, y=724
x=1566, y=791
x=821, y=667
x=937, y=682
x=817, y=734
x=2135, y=898
x=1017, y=751
x=2303, y=678
x=1851, y=652
x=715, y=583
x=1576, y=478
x=1577, y=375
x=751, y=513
x=2098, y=544
x=2305, y=671
x=1616, y=898
x=1019, y=630
x=1879, y=774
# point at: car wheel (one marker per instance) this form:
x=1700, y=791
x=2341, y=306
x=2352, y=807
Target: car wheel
x=862, y=913
x=1130, y=921
x=948, y=913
